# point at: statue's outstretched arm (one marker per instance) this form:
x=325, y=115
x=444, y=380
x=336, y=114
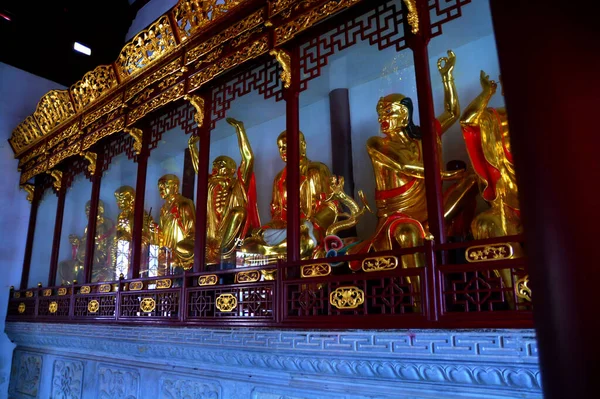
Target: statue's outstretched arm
x=194, y=151
x=247, y=164
x=451, y=105
x=475, y=109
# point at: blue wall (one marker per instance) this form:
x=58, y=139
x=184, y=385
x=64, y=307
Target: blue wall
x=19, y=93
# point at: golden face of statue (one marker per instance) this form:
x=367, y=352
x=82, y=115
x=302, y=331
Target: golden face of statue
x=393, y=115
x=125, y=197
x=168, y=185
x=282, y=146
x=223, y=166
x=88, y=205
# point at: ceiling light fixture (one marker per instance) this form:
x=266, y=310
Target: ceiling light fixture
x=82, y=49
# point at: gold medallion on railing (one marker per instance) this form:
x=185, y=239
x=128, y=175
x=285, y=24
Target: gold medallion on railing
x=136, y=286
x=347, y=297
x=62, y=291
x=484, y=253
x=47, y=292
x=29, y=294
x=147, y=305
x=163, y=284
x=93, y=306
x=321, y=269
x=53, y=307
x=226, y=302
x=210, y=279
x=523, y=291
x=17, y=295
x=104, y=288
x=247, y=277
x=21, y=308
x=86, y=289
x=379, y=263
x=269, y=274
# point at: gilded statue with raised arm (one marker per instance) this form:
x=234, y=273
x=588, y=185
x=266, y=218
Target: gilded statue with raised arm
x=125, y=198
x=320, y=195
x=232, y=211
x=102, y=265
x=177, y=223
x=399, y=173
x=486, y=134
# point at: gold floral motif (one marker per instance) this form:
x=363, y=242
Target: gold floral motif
x=91, y=158
x=17, y=295
x=63, y=135
x=47, y=292
x=103, y=110
x=280, y=5
x=321, y=269
x=164, y=283
x=226, y=302
x=252, y=51
x=57, y=176
x=37, y=151
x=164, y=98
x=285, y=62
x=115, y=126
x=93, y=306
x=136, y=134
x=269, y=274
x=54, y=108
x=347, y=297
x=145, y=48
x=29, y=294
x=147, y=305
x=210, y=279
x=104, y=288
x=86, y=289
x=247, y=277
x=62, y=291
x=484, y=253
x=192, y=15
x=93, y=85
x=169, y=80
x=413, y=16
x=292, y=28
x=58, y=157
x=25, y=176
x=144, y=96
x=21, y=307
x=136, y=286
x=243, y=38
x=53, y=307
x=213, y=55
x=198, y=104
x=25, y=134
x=158, y=75
x=523, y=290
x=378, y=263
x=29, y=189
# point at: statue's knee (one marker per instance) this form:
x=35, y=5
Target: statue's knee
x=486, y=225
x=408, y=235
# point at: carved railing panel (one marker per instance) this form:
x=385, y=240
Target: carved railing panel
x=93, y=85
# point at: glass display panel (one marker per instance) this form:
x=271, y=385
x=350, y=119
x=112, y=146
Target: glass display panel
x=117, y=199
x=172, y=211
x=43, y=239
x=73, y=238
x=245, y=223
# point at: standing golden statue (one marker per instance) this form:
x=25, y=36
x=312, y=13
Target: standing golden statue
x=487, y=138
x=177, y=221
x=102, y=265
x=232, y=210
x=320, y=194
x=400, y=176
x=125, y=198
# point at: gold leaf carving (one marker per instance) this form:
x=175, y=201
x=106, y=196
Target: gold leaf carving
x=54, y=108
x=29, y=188
x=148, y=80
x=86, y=289
x=484, y=253
x=322, y=269
x=379, y=263
x=347, y=297
x=103, y=110
x=193, y=15
x=136, y=134
x=210, y=279
x=136, y=286
x=53, y=307
x=198, y=104
x=164, y=283
x=93, y=85
x=164, y=98
x=62, y=291
x=93, y=306
x=226, y=302
x=104, y=288
x=247, y=277
x=25, y=134
x=21, y=307
x=413, y=16
x=147, y=305
x=113, y=127
x=285, y=61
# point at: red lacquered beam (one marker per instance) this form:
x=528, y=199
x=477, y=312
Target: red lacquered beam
x=37, y=195
x=90, y=246
x=62, y=195
x=140, y=196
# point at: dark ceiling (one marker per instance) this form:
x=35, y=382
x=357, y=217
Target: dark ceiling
x=38, y=36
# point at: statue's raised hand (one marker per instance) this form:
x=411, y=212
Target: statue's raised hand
x=446, y=64
x=193, y=140
x=235, y=123
x=489, y=86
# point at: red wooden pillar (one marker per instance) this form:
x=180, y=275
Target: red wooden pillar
x=138, y=214
x=62, y=195
x=90, y=244
x=202, y=189
x=292, y=122
x=549, y=62
x=35, y=202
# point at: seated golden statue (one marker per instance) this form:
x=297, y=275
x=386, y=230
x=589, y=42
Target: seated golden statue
x=177, y=223
x=125, y=198
x=487, y=138
x=319, y=209
x=232, y=211
x=102, y=265
x=399, y=173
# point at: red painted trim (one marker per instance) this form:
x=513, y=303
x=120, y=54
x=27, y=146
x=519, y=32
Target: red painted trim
x=138, y=214
x=62, y=195
x=90, y=244
x=37, y=195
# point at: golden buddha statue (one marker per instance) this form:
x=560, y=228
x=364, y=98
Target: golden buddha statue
x=177, y=222
x=102, y=267
x=319, y=209
x=400, y=176
x=232, y=211
x=487, y=138
x=125, y=198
